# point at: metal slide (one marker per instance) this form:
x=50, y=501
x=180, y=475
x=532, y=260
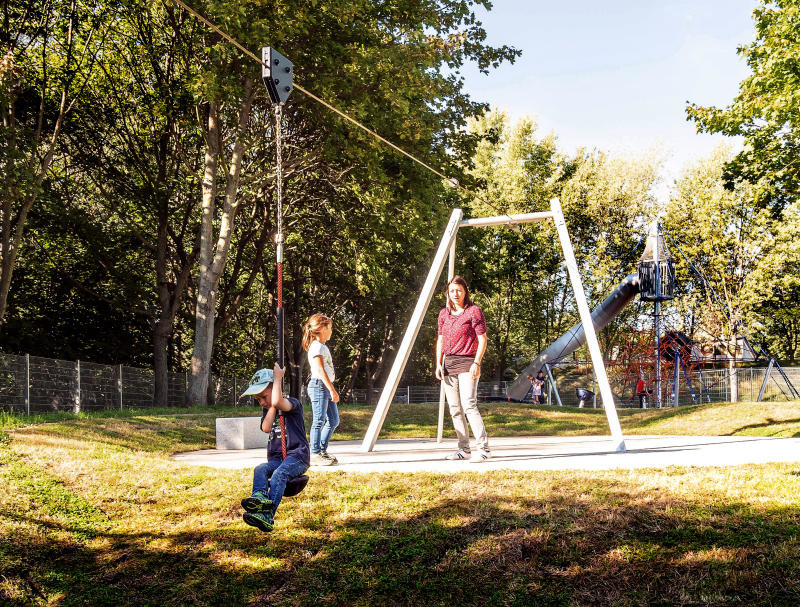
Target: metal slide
x=575, y=337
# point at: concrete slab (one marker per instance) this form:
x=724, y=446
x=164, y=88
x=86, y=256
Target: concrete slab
x=531, y=453
x=240, y=433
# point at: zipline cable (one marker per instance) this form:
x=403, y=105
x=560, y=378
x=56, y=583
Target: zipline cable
x=452, y=181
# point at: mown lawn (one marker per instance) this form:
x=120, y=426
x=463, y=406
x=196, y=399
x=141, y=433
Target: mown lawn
x=94, y=512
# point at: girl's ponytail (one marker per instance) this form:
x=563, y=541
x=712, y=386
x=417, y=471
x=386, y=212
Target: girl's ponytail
x=312, y=328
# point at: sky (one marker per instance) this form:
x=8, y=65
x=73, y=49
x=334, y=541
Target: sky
x=617, y=74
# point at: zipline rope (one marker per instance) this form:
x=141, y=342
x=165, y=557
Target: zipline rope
x=279, y=235
x=452, y=181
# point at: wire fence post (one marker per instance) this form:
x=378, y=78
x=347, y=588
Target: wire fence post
x=119, y=387
x=77, y=406
x=27, y=384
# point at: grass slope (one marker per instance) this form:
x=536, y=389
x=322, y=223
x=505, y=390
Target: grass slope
x=94, y=512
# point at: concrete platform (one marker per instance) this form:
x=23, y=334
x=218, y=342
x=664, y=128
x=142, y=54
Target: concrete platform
x=531, y=453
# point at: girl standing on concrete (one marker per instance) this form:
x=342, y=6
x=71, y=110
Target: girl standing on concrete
x=323, y=395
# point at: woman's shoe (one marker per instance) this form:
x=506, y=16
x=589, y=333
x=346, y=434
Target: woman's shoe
x=480, y=455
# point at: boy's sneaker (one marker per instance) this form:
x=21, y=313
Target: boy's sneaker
x=259, y=520
x=258, y=502
x=324, y=453
x=317, y=459
x=460, y=454
x=480, y=455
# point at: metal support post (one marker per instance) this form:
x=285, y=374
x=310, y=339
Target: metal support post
x=553, y=385
x=451, y=269
x=588, y=327
x=676, y=379
x=403, y=352
x=766, y=379
x=77, y=406
x=27, y=384
x=119, y=387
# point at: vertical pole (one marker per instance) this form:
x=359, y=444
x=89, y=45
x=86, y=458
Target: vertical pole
x=676, y=378
x=594, y=389
x=27, y=384
x=77, y=406
x=657, y=317
x=412, y=330
x=451, y=269
x=588, y=326
x=119, y=387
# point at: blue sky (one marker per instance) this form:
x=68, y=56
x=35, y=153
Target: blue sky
x=616, y=74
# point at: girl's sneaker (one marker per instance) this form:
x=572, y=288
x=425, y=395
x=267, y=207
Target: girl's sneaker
x=317, y=459
x=460, y=454
x=260, y=520
x=258, y=502
x=480, y=455
x=324, y=453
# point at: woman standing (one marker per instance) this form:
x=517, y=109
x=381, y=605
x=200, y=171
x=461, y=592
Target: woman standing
x=459, y=351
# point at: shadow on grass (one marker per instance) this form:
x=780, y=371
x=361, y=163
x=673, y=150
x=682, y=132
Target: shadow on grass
x=766, y=424
x=611, y=545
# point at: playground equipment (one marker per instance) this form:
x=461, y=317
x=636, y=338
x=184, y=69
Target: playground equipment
x=446, y=245
x=645, y=353
x=583, y=395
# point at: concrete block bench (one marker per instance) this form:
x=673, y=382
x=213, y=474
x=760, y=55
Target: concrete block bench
x=240, y=433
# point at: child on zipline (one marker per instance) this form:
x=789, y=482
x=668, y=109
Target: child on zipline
x=325, y=413
x=270, y=478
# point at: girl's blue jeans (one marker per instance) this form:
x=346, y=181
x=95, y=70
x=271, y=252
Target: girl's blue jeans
x=325, y=415
x=271, y=477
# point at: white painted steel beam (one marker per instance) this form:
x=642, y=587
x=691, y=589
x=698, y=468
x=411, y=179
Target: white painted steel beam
x=506, y=220
x=588, y=326
x=410, y=335
x=451, y=270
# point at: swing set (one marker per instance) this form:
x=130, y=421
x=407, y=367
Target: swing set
x=277, y=74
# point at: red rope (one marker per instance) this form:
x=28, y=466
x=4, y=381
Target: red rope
x=283, y=435
x=280, y=284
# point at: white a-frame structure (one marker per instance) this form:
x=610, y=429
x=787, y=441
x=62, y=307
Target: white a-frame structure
x=448, y=244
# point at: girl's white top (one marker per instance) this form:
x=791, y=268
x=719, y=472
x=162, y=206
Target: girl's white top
x=319, y=349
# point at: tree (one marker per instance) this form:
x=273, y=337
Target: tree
x=767, y=109
x=385, y=65
x=722, y=232
x=48, y=58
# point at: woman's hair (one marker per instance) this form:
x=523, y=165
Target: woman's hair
x=313, y=327
x=459, y=281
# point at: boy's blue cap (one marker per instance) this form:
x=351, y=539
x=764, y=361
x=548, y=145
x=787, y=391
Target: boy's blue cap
x=260, y=380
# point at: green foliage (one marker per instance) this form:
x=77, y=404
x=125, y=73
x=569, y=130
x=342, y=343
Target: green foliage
x=767, y=109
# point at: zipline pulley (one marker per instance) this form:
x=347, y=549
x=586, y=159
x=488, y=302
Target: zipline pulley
x=277, y=73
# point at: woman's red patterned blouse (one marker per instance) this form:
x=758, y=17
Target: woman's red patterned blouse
x=460, y=333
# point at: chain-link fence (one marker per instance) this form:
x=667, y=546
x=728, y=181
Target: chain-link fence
x=32, y=384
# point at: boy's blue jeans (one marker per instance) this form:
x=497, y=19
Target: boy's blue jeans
x=271, y=477
x=325, y=415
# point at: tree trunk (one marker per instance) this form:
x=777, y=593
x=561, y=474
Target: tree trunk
x=733, y=376
x=213, y=258
x=204, y=309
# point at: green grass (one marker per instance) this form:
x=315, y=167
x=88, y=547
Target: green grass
x=93, y=512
